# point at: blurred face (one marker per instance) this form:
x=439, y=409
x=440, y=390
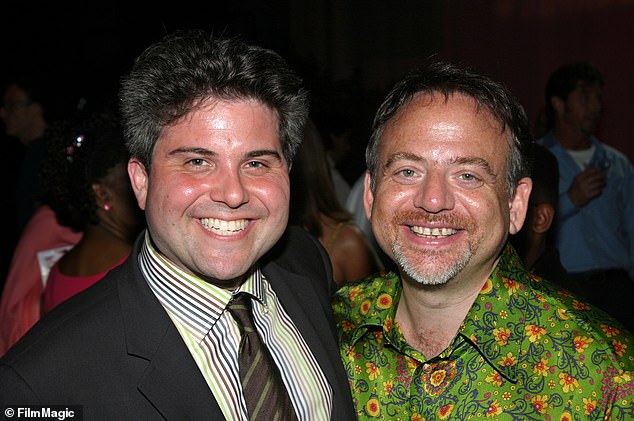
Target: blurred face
x=582, y=108
x=16, y=111
x=217, y=196
x=440, y=208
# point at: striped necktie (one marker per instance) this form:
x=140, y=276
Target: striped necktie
x=262, y=386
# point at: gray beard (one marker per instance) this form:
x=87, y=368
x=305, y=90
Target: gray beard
x=437, y=276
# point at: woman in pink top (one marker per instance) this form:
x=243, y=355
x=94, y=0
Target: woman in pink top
x=63, y=286
x=97, y=199
x=42, y=242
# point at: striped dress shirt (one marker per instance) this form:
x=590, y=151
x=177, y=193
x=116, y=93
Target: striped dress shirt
x=198, y=309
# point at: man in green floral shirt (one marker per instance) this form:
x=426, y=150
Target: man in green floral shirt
x=464, y=331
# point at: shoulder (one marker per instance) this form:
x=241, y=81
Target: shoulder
x=351, y=233
x=548, y=140
x=589, y=326
x=44, y=221
x=299, y=252
x=295, y=243
x=615, y=154
x=365, y=305
x=545, y=307
x=376, y=292
x=342, y=236
x=75, y=325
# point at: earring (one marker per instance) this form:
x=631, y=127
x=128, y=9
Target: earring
x=106, y=207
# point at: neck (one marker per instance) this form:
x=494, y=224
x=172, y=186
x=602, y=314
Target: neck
x=97, y=251
x=430, y=316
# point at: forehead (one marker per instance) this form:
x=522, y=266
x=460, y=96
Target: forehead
x=223, y=115
x=433, y=117
x=224, y=126
x=445, y=132
x=588, y=86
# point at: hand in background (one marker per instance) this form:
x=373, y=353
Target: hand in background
x=587, y=185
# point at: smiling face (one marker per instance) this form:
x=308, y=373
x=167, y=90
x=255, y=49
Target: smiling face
x=217, y=196
x=440, y=207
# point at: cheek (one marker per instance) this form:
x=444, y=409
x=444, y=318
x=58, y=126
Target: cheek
x=273, y=192
x=389, y=201
x=187, y=192
x=472, y=202
x=276, y=197
x=166, y=194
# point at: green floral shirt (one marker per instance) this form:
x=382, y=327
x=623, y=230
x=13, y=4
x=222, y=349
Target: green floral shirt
x=527, y=350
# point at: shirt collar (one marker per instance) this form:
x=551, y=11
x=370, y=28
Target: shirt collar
x=495, y=324
x=488, y=323
x=194, y=301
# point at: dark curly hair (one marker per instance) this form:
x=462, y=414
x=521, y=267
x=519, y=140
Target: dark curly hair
x=80, y=153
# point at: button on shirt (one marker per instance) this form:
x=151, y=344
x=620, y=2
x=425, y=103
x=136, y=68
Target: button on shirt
x=198, y=309
x=527, y=350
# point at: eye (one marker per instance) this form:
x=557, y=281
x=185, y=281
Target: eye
x=255, y=164
x=469, y=177
x=196, y=162
x=407, y=172
x=470, y=180
x=405, y=175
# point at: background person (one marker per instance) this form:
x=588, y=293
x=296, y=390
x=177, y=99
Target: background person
x=315, y=207
x=30, y=103
x=91, y=195
x=535, y=242
x=595, y=217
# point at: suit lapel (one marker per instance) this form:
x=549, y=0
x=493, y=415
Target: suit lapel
x=171, y=380
x=174, y=385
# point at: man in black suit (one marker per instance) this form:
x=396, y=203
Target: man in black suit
x=212, y=126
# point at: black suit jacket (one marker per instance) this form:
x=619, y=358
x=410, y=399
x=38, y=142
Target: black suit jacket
x=113, y=350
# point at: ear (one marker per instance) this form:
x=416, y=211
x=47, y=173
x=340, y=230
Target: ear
x=518, y=204
x=139, y=179
x=368, y=196
x=544, y=214
x=102, y=194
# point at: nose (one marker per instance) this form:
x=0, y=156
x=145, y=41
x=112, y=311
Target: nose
x=434, y=194
x=228, y=187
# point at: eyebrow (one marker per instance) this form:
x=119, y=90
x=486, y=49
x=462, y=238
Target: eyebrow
x=206, y=152
x=264, y=152
x=199, y=151
x=475, y=161
x=399, y=156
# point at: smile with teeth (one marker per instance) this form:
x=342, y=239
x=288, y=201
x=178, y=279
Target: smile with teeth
x=222, y=227
x=433, y=232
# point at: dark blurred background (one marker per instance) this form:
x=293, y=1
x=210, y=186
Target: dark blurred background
x=349, y=52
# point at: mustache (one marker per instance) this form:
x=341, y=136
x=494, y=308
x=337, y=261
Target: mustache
x=422, y=218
